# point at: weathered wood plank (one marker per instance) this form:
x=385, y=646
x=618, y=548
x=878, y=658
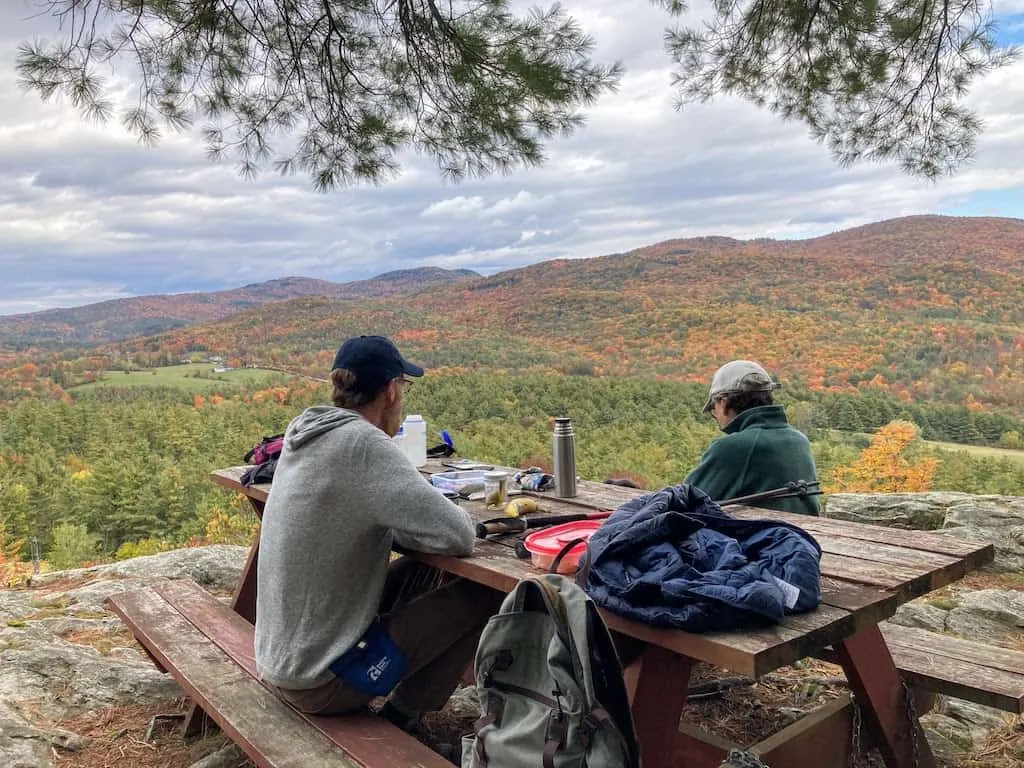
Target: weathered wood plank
x=231, y=478
x=752, y=651
x=888, y=553
x=271, y=733
x=963, y=680
x=368, y=739
x=858, y=598
x=825, y=734
x=888, y=577
x=965, y=669
x=924, y=540
x=973, y=652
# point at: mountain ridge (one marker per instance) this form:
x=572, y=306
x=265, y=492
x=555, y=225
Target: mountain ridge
x=923, y=309
x=118, y=319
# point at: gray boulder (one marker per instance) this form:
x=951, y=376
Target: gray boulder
x=228, y=756
x=947, y=736
x=217, y=567
x=995, y=519
x=22, y=745
x=977, y=718
x=998, y=519
x=14, y=605
x=921, y=615
x=987, y=615
x=63, y=679
x=913, y=511
x=59, y=678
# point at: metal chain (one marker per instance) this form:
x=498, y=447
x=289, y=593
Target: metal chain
x=742, y=759
x=915, y=746
x=854, y=734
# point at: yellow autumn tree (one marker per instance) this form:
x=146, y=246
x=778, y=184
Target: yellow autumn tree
x=888, y=465
x=12, y=569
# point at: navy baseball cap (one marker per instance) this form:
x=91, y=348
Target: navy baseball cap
x=375, y=361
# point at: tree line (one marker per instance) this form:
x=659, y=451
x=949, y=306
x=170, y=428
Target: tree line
x=129, y=466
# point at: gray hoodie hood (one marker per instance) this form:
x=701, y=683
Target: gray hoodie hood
x=313, y=422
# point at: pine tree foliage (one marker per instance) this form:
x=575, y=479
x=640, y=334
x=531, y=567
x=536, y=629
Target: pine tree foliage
x=873, y=79
x=332, y=88
x=338, y=88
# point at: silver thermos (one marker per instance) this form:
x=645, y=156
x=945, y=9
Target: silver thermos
x=563, y=453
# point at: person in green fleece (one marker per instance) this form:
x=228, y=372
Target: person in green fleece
x=337, y=622
x=760, y=450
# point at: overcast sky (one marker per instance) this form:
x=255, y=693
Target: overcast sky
x=87, y=214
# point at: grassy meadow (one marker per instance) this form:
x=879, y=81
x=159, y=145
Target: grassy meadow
x=191, y=377
x=984, y=451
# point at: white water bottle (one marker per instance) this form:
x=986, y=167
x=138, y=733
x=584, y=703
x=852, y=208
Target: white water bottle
x=415, y=429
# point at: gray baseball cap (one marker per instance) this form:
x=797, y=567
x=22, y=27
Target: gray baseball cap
x=739, y=376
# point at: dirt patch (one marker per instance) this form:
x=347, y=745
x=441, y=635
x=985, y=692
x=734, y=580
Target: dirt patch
x=982, y=580
x=118, y=739
x=744, y=714
x=68, y=583
x=1004, y=748
x=103, y=640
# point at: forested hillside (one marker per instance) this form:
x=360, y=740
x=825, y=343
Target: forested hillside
x=126, y=469
x=916, y=321
x=925, y=309
x=143, y=315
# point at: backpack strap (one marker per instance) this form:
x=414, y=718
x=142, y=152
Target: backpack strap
x=557, y=731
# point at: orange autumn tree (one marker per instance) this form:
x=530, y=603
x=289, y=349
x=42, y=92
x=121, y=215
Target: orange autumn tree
x=12, y=569
x=888, y=464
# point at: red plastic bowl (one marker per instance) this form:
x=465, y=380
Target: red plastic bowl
x=545, y=544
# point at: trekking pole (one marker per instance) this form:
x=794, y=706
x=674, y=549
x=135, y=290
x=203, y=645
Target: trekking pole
x=791, y=489
x=505, y=525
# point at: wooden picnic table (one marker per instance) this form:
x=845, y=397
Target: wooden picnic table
x=867, y=573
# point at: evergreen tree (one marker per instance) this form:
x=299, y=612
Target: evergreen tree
x=479, y=87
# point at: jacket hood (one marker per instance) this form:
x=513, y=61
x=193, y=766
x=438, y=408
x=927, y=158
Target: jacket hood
x=313, y=422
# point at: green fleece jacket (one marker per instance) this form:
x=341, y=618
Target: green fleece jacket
x=760, y=452
x=343, y=493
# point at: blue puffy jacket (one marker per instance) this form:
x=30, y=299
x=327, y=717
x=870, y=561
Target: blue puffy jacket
x=674, y=559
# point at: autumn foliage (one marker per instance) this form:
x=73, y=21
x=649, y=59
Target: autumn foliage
x=12, y=568
x=887, y=465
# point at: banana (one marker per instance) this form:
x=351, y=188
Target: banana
x=520, y=506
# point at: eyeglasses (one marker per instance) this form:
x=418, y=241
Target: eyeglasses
x=406, y=383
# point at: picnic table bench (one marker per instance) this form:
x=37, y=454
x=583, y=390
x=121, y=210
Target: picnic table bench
x=209, y=650
x=867, y=572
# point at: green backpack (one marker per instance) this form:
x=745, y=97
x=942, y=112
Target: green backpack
x=550, y=684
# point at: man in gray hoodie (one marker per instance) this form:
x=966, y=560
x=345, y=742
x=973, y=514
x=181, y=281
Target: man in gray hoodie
x=343, y=495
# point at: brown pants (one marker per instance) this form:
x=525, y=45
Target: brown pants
x=436, y=623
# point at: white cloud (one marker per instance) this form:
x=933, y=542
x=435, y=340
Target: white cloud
x=454, y=206
x=87, y=214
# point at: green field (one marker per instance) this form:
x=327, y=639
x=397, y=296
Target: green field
x=981, y=450
x=181, y=376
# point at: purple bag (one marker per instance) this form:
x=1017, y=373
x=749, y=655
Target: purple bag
x=269, y=448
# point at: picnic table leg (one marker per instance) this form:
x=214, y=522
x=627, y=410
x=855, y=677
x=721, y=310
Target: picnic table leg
x=658, y=691
x=883, y=700
x=244, y=604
